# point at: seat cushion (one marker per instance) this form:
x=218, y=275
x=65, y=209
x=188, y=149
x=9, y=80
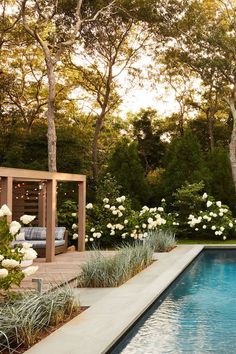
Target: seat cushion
x=38, y=243
x=39, y=233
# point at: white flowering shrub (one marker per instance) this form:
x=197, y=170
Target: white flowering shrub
x=214, y=220
x=112, y=221
x=11, y=260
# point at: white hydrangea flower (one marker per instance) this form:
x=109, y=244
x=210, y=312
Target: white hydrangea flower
x=113, y=207
x=91, y=239
x=1, y=257
x=218, y=203
x=75, y=236
x=27, y=219
x=109, y=226
x=121, y=207
x=99, y=234
x=105, y=200
x=123, y=198
x=221, y=214
x=114, y=212
x=3, y=273
x=144, y=226
x=224, y=238
x=204, y=227
x=118, y=200
x=14, y=227
x=30, y=270
x=93, y=229
x=204, y=196
x=222, y=228
x=107, y=206
x=74, y=226
x=160, y=209
x=5, y=210
x=209, y=203
x=231, y=224
x=29, y=254
x=73, y=214
x=89, y=206
x=126, y=222
x=27, y=245
x=10, y=263
x=150, y=220
x=120, y=214
x=213, y=227
x=145, y=208
x=196, y=229
x=112, y=233
x=163, y=200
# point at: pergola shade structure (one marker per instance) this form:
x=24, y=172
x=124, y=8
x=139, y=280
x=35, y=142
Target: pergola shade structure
x=48, y=210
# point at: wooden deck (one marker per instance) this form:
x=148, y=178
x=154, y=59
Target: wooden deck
x=65, y=269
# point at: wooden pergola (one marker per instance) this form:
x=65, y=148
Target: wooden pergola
x=49, y=209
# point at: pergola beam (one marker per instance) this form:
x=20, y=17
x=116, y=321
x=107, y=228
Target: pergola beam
x=40, y=175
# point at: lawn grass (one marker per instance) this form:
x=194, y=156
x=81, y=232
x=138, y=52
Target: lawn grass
x=205, y=241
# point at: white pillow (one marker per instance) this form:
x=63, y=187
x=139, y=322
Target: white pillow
x=20, y=236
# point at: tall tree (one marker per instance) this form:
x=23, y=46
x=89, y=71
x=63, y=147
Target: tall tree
x=203, y=38
x=111, y=47
x=55, y=26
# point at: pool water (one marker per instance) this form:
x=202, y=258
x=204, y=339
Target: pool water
x=197, y=314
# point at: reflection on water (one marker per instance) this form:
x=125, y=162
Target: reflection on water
x=197, y=315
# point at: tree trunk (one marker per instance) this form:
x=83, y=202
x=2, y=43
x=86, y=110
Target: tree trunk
x=210, y=121
x=51, y=134
x=232, y=145
x=98, y=127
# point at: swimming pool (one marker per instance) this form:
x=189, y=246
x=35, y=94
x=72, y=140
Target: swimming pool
x=197, y=314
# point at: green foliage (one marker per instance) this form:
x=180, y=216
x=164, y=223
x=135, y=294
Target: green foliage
x=101, y=271
x=184, y=163
x=150, y=147
x=161, y=241
x=125, y=166
x=67, y=217
x=187, y=200
x=23, y=319
x=221, y=181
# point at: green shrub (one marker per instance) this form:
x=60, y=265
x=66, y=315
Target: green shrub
x=101, y=271
x=22, y=320
x=161, y=241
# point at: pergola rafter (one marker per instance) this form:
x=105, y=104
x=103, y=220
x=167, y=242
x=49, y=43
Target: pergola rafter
x=50, y=179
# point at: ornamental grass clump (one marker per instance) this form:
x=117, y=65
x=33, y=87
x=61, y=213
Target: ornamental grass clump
x=100, y=271
x=161, y=241
x=23, y=320
x=11, y=272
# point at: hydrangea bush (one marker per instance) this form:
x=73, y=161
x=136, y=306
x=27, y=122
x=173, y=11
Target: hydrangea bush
x=11, y=259
x=214, y=220
x=113, y=221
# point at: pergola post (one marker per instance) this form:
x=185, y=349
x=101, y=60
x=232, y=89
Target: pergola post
x=6, y=193
x=51, y=219
x=81, y=216
x=42, y=206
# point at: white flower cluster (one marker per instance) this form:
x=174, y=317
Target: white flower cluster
x=27, y=219
x=5, y=211
x=216, y=219
x=29, y=254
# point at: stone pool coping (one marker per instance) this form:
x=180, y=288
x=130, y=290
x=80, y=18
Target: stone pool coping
x=99, y=327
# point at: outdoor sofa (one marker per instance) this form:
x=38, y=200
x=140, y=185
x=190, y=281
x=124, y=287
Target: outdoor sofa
x=37, y=237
